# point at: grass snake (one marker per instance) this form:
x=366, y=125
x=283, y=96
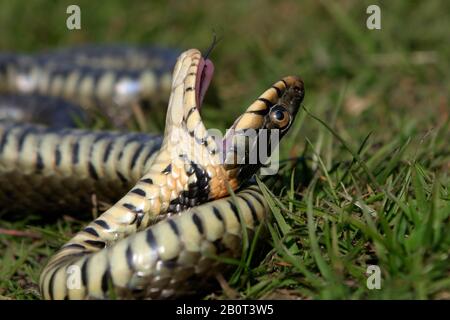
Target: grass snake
x=173, y=214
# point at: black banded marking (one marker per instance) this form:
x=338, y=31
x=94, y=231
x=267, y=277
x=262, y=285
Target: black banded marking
x=92, y=171
x=106, y=277
x=190, y=112
x=268, y=103
x=189, y=89
x=75, y=152
x=174, y=227
x=91, y=231
x=131, y=138
x=107, y=151
x=150, y=238
x=23, y=137
x=149, y=155
x=251, y=207
x=259, y=112
x=217, y=213
x=201, y=141
x=139, y=192
x=96, y=243
x=129, y=256
x=136, y=155
x=51, y=284
x=171, y=263
x=39, y=162
x=57, y=155
x=285, y=83
x=5, y=137
x=220, y=247
x=99, y=137
x=131, y=207
x=102, y=223
x=39, y=165
x=167, y=170
x=84, y=275
x=278, y=90
x=256, y=196
x=74, y=245
x=139, y=214
x=120, y=155
x=198, y=223
x=234, y=209
x=121, y=177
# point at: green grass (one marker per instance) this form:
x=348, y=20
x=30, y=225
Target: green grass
x=365, y=177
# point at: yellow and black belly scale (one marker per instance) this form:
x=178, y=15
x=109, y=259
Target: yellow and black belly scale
x=162, y=238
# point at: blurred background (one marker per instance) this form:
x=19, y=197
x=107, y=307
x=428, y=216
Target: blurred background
x=391, y=77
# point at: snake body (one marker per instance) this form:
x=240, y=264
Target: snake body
x=110, y=77
x=162, y=239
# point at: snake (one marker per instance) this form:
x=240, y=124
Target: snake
x=109, y=77
x=190, y=196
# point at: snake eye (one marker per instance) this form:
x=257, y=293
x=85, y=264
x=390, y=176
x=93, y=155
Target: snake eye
x=280, y=117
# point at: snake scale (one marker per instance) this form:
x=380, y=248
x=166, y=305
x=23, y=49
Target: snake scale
x=164, y=238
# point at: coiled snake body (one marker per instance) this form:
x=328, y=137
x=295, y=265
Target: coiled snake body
x=162, y=238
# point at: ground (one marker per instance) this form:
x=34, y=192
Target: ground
x=365, y=177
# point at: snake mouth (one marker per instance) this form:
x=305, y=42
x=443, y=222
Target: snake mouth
x=204, y=76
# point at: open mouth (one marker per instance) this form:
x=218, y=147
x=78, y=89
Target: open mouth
x=204, y=76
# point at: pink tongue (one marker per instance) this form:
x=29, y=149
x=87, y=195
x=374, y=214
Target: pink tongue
x=204, y=77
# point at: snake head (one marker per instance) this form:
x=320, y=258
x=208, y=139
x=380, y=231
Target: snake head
x=194, y=161
x=253, y=137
